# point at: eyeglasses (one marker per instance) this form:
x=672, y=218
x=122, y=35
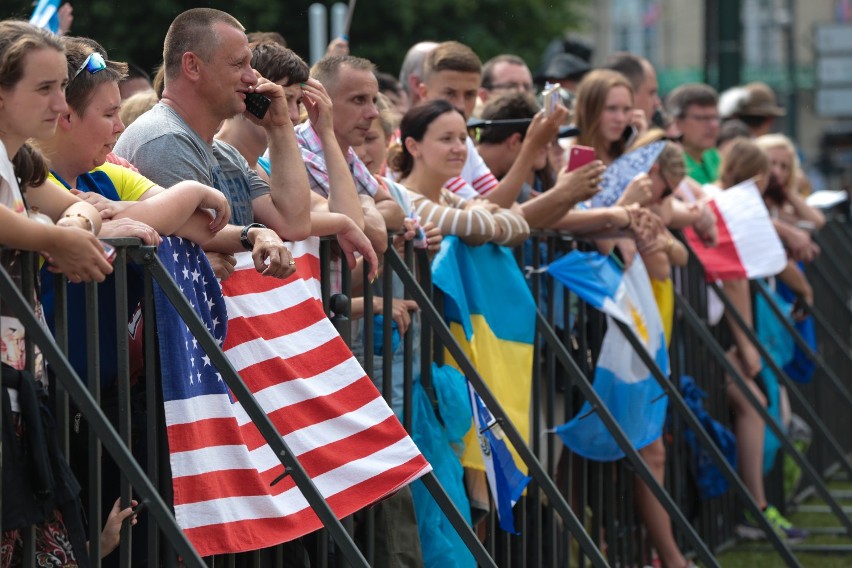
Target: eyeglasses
x=523, y=87
x=475, y=125
x=93, y=63
x=703, y=117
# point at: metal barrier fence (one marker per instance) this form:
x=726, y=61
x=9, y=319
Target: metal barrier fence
x=576, y=511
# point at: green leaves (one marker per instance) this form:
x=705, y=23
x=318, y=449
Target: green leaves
x=382, y=30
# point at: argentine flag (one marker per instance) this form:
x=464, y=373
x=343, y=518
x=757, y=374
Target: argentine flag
x=46, y=15
x=622, y=381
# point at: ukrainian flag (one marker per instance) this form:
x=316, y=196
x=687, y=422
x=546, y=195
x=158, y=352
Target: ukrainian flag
x=491, y=313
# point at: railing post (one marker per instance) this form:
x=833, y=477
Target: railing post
x=252, y=408
x=491, y=403
x=97, y=421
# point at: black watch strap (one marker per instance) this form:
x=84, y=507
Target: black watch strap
x=244, y=235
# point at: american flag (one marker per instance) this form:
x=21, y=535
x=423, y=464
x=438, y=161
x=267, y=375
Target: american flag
x=308, y=382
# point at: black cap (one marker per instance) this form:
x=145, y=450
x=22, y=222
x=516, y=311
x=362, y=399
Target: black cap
x=564, y=66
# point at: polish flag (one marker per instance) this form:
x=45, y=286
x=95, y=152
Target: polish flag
x=749, y=246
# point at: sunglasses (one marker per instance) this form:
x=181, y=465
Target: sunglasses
x=93, y=63
x=475, y=125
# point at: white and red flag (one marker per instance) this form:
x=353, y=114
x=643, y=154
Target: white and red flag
x=749, y=246
x=310, y=385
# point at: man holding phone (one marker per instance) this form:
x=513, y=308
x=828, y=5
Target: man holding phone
x=207, y=78
x=500, y=145
x=453, y=72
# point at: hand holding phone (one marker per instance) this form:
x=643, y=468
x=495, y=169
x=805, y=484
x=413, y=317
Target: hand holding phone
x=257, y=104
x=629, y=135
x=579, y=156
x=550, y=98
x=109, y=252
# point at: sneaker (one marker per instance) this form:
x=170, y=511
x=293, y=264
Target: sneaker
x=750, y=530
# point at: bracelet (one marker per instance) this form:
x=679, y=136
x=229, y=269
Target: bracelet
x=629, y=219
x=89, y=225
x=244, y=240
x=669, y=246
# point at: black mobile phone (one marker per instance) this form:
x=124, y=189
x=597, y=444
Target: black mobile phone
x=629, y=135
x=257, y=104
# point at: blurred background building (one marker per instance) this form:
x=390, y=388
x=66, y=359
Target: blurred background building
x=802, y=48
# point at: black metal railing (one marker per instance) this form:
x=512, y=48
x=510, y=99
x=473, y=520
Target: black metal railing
x=575, y=510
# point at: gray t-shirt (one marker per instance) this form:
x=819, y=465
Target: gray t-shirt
x=167, y=151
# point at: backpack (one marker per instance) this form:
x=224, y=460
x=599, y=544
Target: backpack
x=711, y=482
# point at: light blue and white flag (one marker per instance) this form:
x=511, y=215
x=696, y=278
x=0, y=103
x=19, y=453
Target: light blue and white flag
x=595, y=278
x=623, y=382
x=46, y=15
x=505, y=480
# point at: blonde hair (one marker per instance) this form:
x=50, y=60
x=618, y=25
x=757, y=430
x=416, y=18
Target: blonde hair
x=388, y=116
x=671, y=160
x=772, y=141
x=744, y=160
x=136, y=105
x=589, y=106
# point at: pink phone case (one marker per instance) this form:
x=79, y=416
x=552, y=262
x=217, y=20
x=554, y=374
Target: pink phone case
x=579, y=156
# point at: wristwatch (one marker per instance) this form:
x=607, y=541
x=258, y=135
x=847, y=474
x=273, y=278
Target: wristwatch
x=244, y=235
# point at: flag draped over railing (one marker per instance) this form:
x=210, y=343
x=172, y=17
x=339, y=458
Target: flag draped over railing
x=229, y=489
x=624, y=383
x=491, y=313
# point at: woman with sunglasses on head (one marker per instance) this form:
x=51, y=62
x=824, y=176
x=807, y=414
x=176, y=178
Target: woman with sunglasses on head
x=131, y=205
x=38, y=488
x=433, y=151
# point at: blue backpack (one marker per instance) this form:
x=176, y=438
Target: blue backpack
x=711, y=482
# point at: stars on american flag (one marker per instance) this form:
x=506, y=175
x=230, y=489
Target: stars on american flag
x=204, y=294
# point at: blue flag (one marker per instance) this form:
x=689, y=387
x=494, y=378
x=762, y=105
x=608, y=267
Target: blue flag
x=624, y=383
x=187, y=371
x=46, y=15
x=505, y=480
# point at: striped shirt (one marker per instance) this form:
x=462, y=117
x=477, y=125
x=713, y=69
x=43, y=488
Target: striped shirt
x=474, y=225
x=314, y=157
x=476, y=179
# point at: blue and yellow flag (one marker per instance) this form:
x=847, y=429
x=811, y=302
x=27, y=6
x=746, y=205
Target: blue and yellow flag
x=491, y=313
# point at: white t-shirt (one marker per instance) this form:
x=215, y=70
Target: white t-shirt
x=12, y=335
x=476, y=179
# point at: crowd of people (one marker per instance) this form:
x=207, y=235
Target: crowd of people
x=93, y=148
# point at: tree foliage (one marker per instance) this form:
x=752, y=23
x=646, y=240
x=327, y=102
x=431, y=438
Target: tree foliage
x=382, y=30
